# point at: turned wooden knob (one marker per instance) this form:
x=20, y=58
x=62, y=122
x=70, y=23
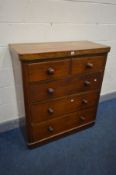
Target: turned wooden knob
x=84, y=101
x=89, y=65
x=87, y=83
x=50, y=71
x=50, y=111
x=50, y=129
x=82, y=118
x=50, y=90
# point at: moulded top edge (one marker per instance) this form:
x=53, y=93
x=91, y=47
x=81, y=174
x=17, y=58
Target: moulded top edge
x=30, y=51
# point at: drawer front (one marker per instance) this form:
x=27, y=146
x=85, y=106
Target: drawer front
x=88, y=64
x=61, y=125
x=55, y=108
x=48, y=70
x=68, y=86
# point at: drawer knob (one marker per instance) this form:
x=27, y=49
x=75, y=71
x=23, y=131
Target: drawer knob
x=50, y=129
x=72, y=100
x=50, y=71
x=50, y=110
x=87, y=83
x=89, y=65
x=82, y=118
x=84, y=101
x=50, y=90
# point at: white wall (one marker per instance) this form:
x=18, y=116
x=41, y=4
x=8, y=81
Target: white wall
x=52, y=20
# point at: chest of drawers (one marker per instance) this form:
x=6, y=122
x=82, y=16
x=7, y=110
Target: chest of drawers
x=61, y=83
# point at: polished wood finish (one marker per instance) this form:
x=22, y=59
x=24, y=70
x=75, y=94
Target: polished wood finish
x=50, y=109
x=62, y=83
x=62, y=124
x=67, y=86
x=51, y=50
x=48, y=70
x=88, y=64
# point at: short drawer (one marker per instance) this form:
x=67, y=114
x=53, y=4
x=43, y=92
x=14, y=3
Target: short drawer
x=55, y=108
x=64, y=124
x=88, y=64
x=48, y=70
x=72, y=85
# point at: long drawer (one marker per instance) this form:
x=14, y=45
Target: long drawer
x=58, y=126
x=71, y=85
x=47, y=110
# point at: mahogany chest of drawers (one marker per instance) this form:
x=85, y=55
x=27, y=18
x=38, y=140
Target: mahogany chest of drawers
x=61, y=83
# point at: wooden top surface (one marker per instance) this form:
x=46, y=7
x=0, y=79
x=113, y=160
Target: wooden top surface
x=31, y=51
